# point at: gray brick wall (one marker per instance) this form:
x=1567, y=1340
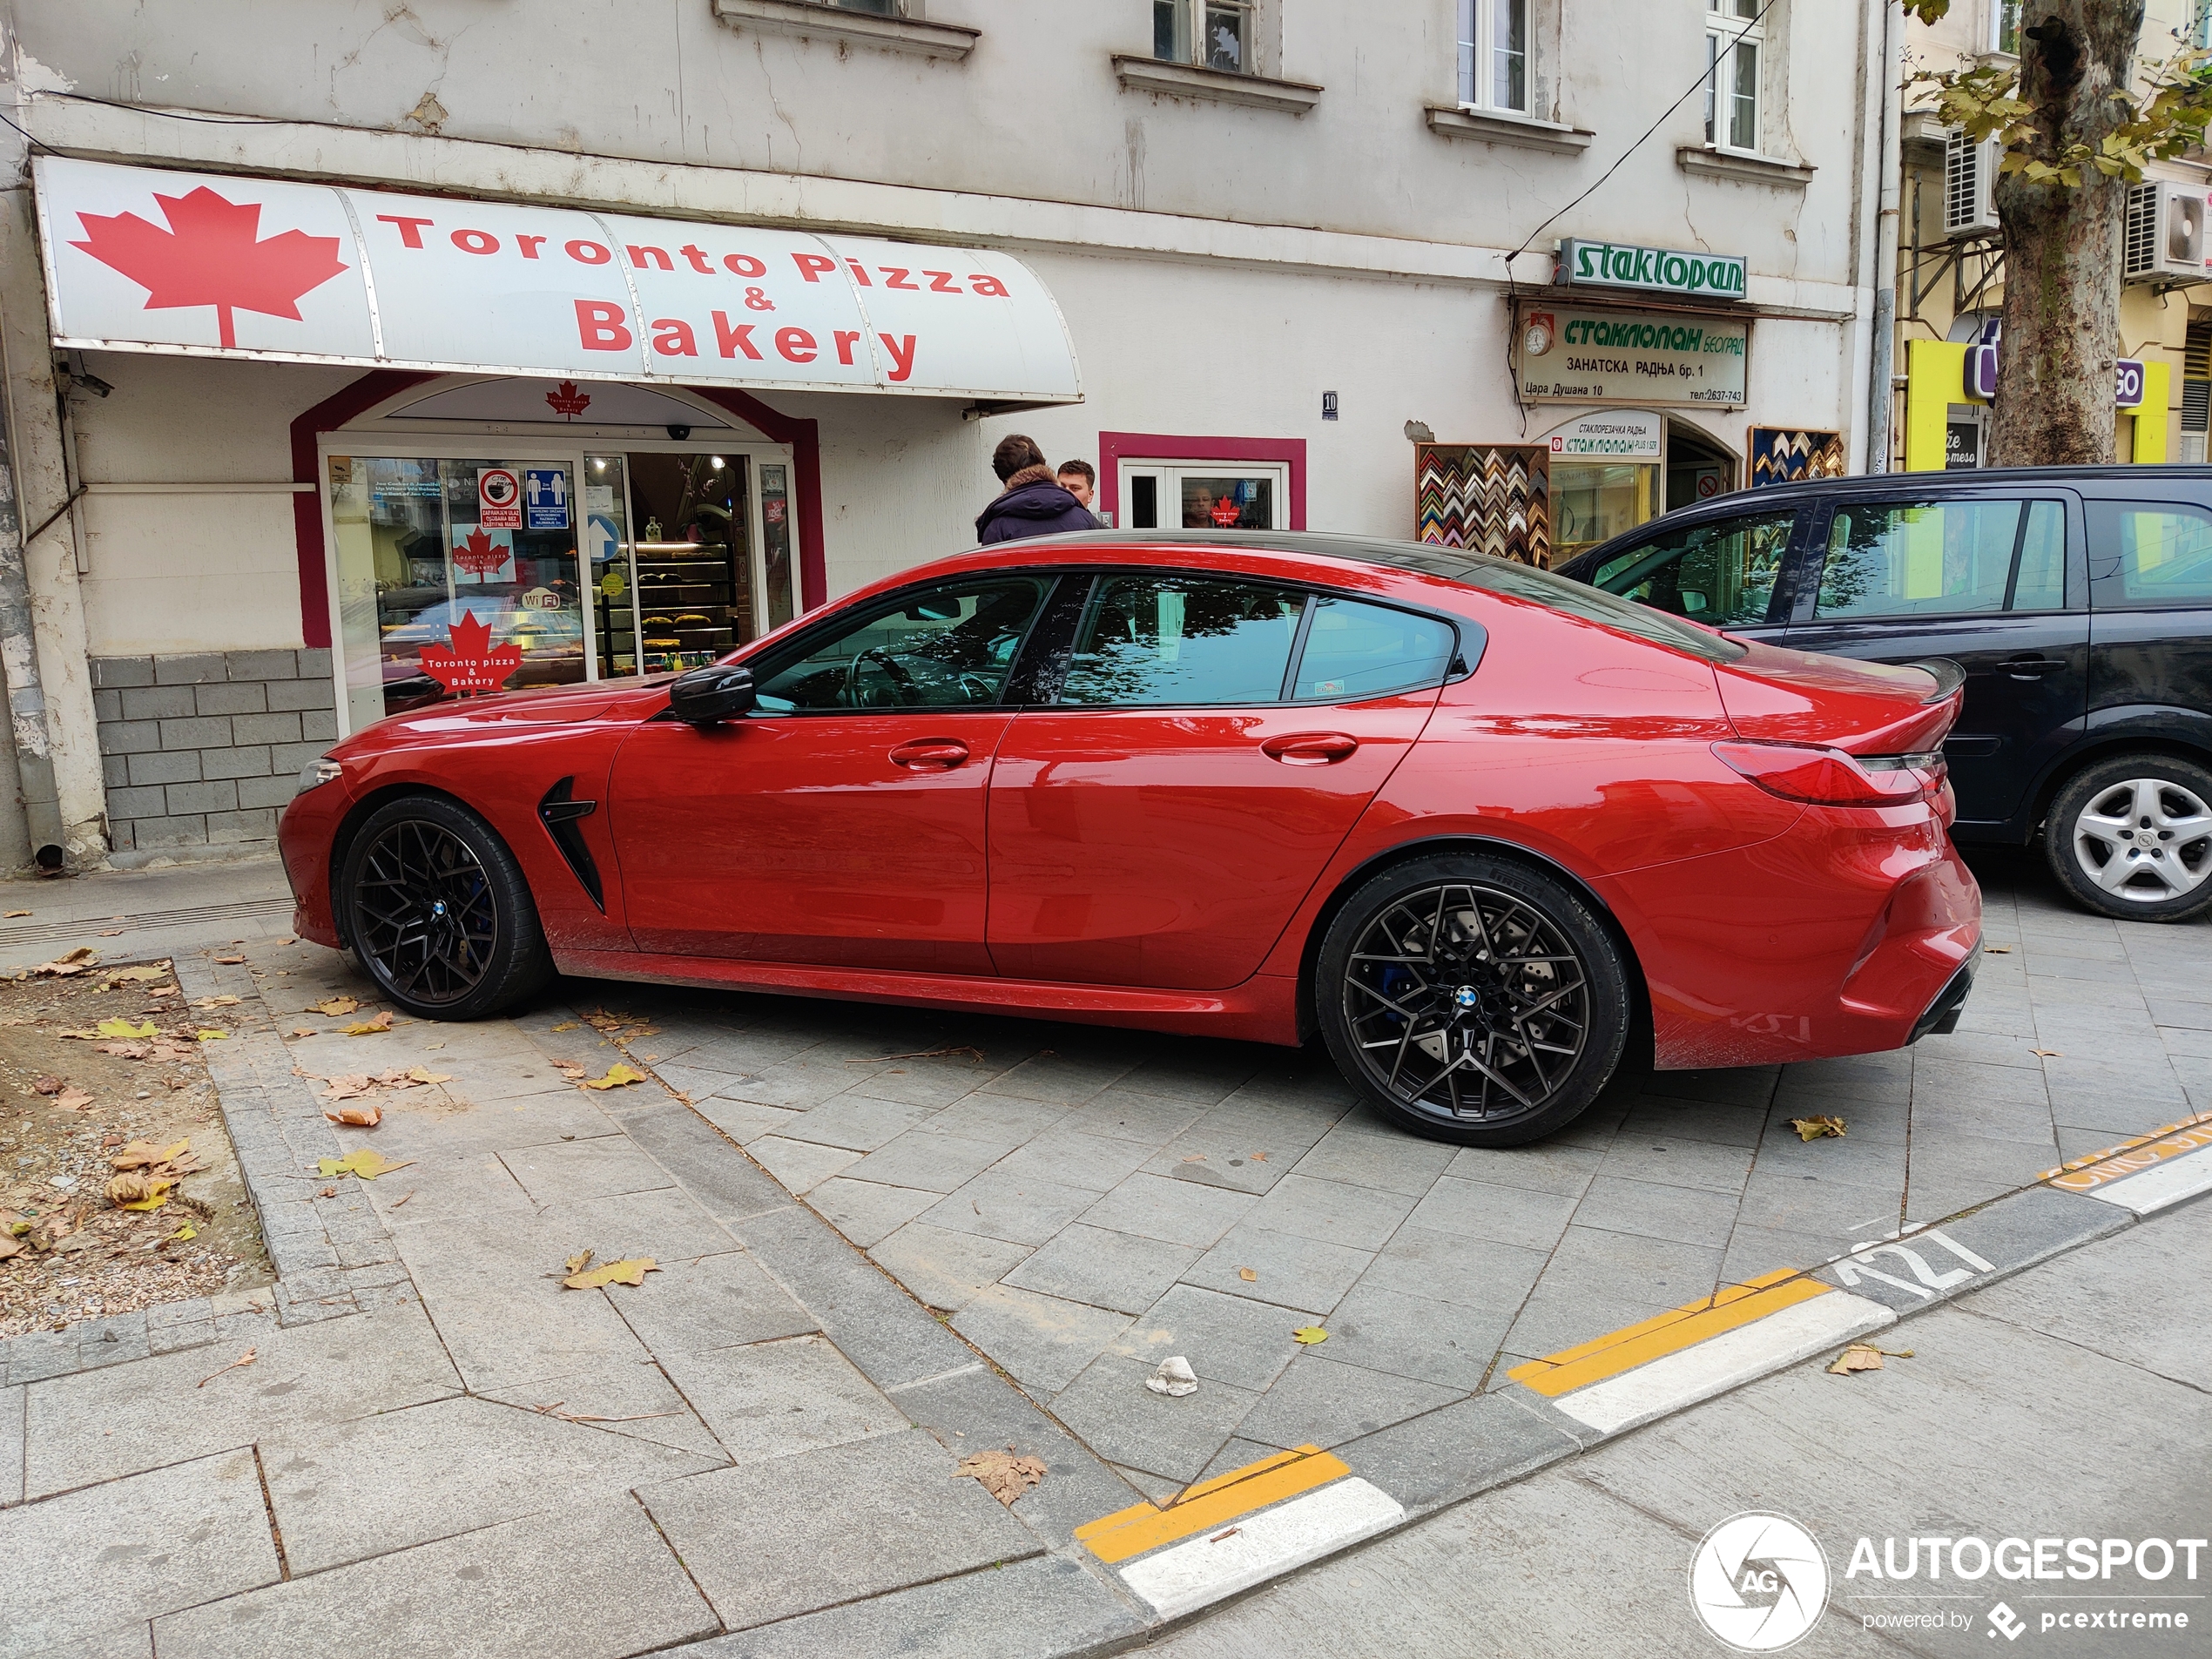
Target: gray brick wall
x=204, y=748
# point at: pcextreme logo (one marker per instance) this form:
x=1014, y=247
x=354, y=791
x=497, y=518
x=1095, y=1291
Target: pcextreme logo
x=1758, y=1582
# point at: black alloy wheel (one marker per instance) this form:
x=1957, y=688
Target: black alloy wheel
x=437, y=911
x=1473, y=999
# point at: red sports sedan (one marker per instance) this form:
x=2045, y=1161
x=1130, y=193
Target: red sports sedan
x=1485, y=830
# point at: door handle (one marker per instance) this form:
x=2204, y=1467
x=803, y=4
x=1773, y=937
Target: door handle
x=930, y=754
x=2028, y=668
x=1310, y=748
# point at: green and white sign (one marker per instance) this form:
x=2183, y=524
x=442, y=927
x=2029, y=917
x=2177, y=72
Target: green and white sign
x=1566, y=355
x=1657, y=270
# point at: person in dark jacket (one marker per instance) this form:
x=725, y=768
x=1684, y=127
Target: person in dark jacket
x=1032, y=503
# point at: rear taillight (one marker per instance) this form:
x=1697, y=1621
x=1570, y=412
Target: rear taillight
x=1831, y=777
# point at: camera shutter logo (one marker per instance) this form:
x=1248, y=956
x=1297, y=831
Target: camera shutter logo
x=1758, y=1582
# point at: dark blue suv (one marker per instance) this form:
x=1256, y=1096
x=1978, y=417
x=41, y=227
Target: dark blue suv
x=2077, y=600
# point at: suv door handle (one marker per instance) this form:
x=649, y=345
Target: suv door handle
x=2028, y=668
x=930, y=754
x=1310, y=748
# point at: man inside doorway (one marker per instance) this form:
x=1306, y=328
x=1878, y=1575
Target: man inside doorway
x=1031, y=503
x=1079, y=479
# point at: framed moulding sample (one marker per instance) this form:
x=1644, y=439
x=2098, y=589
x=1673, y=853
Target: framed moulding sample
x=1782, y=454
x=1489, y=498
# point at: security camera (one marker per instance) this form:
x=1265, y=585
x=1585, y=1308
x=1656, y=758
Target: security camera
x=678, y=431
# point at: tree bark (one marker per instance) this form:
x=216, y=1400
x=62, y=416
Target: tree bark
x=2054, y=371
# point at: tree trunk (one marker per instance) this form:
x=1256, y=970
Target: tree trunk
x=2055, y=370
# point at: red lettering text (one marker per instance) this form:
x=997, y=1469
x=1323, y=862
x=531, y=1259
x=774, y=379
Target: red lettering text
x=672, y=338
x=901, y=348
x=895, y=276
x=978, y=283
x=859, y=273
x=641, y=257
x=743, y=264
x=796, y=344
x=941, y=282
x=586, y=252
x=599, y=324
x=410, y=229
x=529, y=245
x=697, y=257
x=846, y=338
x=733, y=338
x=813, y=266
x=476, y=241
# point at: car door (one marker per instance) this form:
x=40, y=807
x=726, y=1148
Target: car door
x=841, y=822
x=1993, y=581
x=1728, y=572
x=2150, y=627
x=1157, y=823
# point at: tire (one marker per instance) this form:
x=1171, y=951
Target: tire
x=2132, y=838
x=1492, y=1057
x=437, y=912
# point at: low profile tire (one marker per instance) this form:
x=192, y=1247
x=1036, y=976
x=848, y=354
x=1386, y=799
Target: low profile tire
x=2132, y=838
x=1473, y=999
x=437, y=912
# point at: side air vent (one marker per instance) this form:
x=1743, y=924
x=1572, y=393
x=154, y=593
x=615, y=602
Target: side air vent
x=559, y=811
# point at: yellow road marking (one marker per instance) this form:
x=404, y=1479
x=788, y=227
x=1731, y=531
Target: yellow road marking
x=2096, y=1169
x=1144, y=1527
x=1636, y=1345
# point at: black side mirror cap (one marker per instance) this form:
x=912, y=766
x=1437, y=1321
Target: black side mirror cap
x=710, y=695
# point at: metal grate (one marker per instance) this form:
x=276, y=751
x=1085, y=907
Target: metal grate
x=2139, y=242
x=1966, y=207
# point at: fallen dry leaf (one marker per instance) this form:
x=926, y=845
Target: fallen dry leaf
x=616, y=1077
x=402, y=1198
x=125, y=1028
x=579, y=1262
x=630, y=1271
x=976, y=1055
x=367, y=1162
x=217, y=1002
x=14, y=913
x=1259, y=1157
x=144, y=1154
x=571, y=1069
x=1307, y=1335
x=184, y=1235
x=364, y=1116
x=424, y=1074
x=2048, y=1054
x=73, y=1100
x=352, y=1087
x=327, y=1192
x=109, y=933
x=1003, y=1474
x=227, y=962
x=334, y=1006
x=82, y=960
x=48, y=1085
x=371, y=1026
x=1811, y=1128
x=1248, y=1276
x=210, y=1034
x=1865, y=1356
x=302, y=1031
x=150, y=971
x=246, y=1358
x=1996, y=950
x=10, y=1247
x=569, y=1025
x=133, y=1191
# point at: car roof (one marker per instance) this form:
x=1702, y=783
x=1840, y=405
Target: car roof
x=1464, y=565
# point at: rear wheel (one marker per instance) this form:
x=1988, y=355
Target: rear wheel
x=1472, y=998
x=2132, y=838
x=438, y=913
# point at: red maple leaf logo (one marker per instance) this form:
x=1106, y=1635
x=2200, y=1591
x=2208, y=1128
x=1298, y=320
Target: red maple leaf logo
x=469, y=663
x=209, y=256
x=1226, y=513
x=567, y=401
x=479, y=555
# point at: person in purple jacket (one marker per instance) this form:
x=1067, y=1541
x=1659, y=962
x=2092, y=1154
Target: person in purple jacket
x=1032, y=503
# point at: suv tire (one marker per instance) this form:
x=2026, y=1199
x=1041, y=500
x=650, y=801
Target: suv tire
x=2131, y=837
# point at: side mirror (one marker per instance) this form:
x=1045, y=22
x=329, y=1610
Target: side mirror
x=707, y=696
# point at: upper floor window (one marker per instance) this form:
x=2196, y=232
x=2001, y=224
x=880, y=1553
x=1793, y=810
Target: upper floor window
x=1735, y=39
x=1207, y=34
x=875, y=7
x=2005, y=26
x=1494, y=54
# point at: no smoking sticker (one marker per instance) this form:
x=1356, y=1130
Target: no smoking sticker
x=499, y=498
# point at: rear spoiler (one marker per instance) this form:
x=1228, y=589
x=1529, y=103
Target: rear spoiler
x=1949, y=676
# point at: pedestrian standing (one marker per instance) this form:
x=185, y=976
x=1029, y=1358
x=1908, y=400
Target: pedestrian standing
x=1031, y=503
x=1079, y=479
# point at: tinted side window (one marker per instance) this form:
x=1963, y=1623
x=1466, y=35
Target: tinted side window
x=1183, y=640
x=1944, y=558
x=1720, y=572
x=2150, y=553
x=950, y=647
x=1354, y=651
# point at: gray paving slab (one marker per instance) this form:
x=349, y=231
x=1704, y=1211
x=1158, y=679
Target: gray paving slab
x=710, y=1302
x=1036, y=1609
x=858, y=1122
x=800, y=1165
x=1514, y=1215
x=97, y=1425
x=1148, y=1118
x=1018, y=1209
x=348, y=1491
x=1109, y=1408
x=726, y=1186
x=1393, y=1161
x=1176, y=1212
x=566, y=1171
x=945, y=1267
x=635, y=1399
x=1235, y=1340
x=1650, y=1209
x=1678, y=1160
x=775, y=1540
x=1413, y=1336
x=1454, y=1270
x=1003, y=1119
x=1042, y=1341
x=668, y=1225
x=931, y=1162
x=11, y=1410
x=189, y=1531
x=1334, y=1212
x=1442, y=1456
x=591, y=1582
x=1324, y=1402
x=1069, y=1075
x=772, y=1399
x=1074, y=1157
x=868, y=1212
x=1124, y=1271
x=1541, y=1166
x=924, y=1081
x=1287, y=1269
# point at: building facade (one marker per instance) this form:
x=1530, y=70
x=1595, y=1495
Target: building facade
x=355, y=359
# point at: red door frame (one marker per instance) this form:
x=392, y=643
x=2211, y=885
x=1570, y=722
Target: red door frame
x=1155, y=446
x=358, y=397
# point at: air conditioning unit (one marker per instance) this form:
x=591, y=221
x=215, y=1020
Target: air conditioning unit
x=1969, y=178
x=2164, y=239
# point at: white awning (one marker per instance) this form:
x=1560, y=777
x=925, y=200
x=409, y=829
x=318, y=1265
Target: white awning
x=218, y=266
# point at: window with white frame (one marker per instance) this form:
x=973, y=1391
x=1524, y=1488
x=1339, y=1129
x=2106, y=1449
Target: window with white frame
x=2005, y=26
x=1206, y=33
x=1493, y=55
x=1735, y=42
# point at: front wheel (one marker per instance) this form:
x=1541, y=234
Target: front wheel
x=2132, y=838
x=1472, y=998
x=437, y=911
